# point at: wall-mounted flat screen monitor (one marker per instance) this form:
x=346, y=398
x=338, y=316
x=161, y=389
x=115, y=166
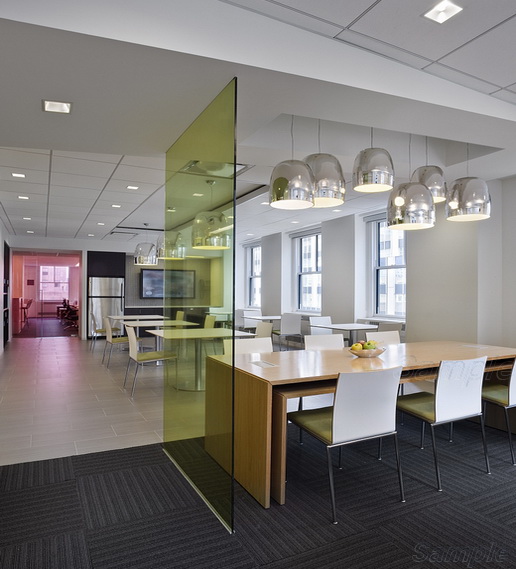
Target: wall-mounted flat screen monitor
x=181, y=283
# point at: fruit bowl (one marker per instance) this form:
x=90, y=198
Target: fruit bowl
x=368, y=353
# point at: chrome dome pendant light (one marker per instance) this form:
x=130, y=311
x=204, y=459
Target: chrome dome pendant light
x=145, y=253
x=211, y=230
x=292, y=183
x=432, y=177
x=410, y=206
x=373, y=170
x=468, y=198
x=171, y=246
x=330, y=185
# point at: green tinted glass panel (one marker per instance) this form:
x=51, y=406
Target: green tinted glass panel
x=198, y=260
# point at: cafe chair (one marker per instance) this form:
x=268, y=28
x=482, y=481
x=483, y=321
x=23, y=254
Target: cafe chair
x=290, y=326
x=324, y=342
x=248, y=345
x=364, y=408
x=458, y=395
x=142, y=358
x=503, y=395
x=386, y=338
x=180, y=315
x=263, y=330
x=249, y=323
x=322, y=321
x=25, y=309
x=111, y=341
x=209, y=322
x=96, y=331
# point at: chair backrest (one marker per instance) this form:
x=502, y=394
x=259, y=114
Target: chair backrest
x=94, y=326
x=133, y=342
x=209, y=321
x=458, y=389
x=263, y=329
x=386, y=326
x=322, y=320
x=109, y=331
x=290, y=323
x=249, y=345
x=384, y=338
x=180, y=315
x=365, y=404
x=512, y=386
x=249, y=322
x=324, y=342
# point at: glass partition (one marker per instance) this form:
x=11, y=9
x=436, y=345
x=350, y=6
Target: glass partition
x=198, y=290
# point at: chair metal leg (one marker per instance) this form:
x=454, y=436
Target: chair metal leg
x=450, y=433
x=436, y=461
x=126, y=371
x=109, y=357
x=508, y=424
x=422, y=441
x=398, y=462
x=380, y=440
x=332, y=486
x=134, y=380
x=340, y=458
x=104, y=352
x=484, y=442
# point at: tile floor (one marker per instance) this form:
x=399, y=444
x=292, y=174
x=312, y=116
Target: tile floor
x=57, y=399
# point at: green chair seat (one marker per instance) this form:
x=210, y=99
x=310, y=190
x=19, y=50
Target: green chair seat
x=144, y=357
x=496, y=393
x=317, y=422
x=419, y=404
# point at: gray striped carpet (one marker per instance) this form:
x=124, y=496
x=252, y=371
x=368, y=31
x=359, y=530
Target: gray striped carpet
x=131, y=509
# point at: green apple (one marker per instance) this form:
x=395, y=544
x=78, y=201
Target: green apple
x=371, y=345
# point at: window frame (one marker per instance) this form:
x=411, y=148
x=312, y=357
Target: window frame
x=300, y=273
x=375, y=268
x=251, y=275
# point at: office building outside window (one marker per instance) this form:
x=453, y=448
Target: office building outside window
x=254, y=276
x=53, y=283
x=388, y=269
x=309, y=267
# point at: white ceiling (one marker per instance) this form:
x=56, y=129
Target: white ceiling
x=136, y=84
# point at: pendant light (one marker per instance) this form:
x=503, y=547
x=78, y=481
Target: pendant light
x=432, y=177
x=373, y=170
x=292, y=183
x=145, y=253
x=171, y=246
x=330, y=185
x=468, y=198
x=411, y=205
x=210, y=231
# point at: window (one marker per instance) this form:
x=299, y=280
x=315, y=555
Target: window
x=254, y=278
x=309, y=266
x=388, y=269
x=53, y=282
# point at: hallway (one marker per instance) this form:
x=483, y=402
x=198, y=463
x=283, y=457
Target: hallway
x=56, y=400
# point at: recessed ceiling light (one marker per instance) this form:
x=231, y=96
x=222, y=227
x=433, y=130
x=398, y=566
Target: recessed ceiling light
x=197, y=195
x=57, y=107
x=294, y=222
x=100, y=223
x=23, y=197
x=115, y=205
x=249, y=234
x=91, y=235
x=443, y=11
x=133, y=187
x=336, y=210
x=28, y=231
x=17, y=175
x=264, y=203
x=27, y=218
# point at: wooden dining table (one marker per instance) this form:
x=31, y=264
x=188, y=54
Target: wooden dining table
x=264, y=382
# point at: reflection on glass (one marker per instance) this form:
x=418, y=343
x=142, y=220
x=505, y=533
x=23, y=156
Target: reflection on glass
x=198, y=408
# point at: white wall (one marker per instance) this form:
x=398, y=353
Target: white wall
x=508, y=264
x=272, y=268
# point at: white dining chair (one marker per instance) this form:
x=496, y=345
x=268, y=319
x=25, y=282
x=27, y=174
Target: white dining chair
x=458, y=395
x=263, y=330
x=324, y=342
x=322, y=321
x=290, y=326
x=248, y=345
x=364, y=408
x=385, y=338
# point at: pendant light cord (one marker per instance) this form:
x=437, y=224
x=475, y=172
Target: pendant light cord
x=467, y=159
x=371, y=137
x=409, y=155
x=319, y=135
x=292, y=135
x=426, y=149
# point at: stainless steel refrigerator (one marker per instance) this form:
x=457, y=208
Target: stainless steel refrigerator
x=105, y=298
